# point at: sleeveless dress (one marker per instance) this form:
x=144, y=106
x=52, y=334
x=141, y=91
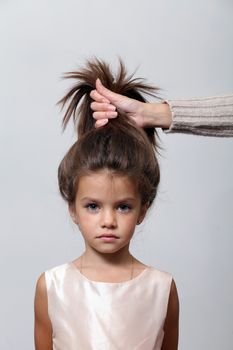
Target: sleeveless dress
x=94, y=315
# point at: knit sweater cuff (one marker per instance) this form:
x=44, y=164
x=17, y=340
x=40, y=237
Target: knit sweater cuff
x=204, y=116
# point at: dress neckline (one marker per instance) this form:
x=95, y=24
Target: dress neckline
x=140, y=275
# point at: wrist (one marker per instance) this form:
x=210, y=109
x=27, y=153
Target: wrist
x=158, y=115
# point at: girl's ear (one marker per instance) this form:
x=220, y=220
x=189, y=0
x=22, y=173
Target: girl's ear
x=73, y=214
x=142, y=213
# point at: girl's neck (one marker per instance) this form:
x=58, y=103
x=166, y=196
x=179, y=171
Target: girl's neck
x=120, y=259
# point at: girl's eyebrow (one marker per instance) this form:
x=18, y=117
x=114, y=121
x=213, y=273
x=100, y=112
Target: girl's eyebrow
x=126, y=199
x=89, y=199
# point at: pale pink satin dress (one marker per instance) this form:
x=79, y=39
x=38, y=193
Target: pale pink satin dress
x=91, y=315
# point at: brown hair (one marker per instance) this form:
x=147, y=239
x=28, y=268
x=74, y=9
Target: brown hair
x=119, y=146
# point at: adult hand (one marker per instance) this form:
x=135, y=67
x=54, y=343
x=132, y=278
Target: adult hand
x=144, y=114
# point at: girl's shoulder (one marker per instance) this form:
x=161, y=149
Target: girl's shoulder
x=160, y=272
x=160, y=275
x=56, y=275
x=57, y=270
x=154, y=272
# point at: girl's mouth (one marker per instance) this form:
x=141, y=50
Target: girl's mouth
x=108, y=238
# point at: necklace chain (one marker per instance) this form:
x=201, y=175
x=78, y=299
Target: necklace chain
x=131, y=266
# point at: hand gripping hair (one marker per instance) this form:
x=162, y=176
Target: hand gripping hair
x=120, y=146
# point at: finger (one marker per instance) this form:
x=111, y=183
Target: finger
x=101, y=122
x=98, y=106
x=104, y=115
x=98, y=97
x=108, y=94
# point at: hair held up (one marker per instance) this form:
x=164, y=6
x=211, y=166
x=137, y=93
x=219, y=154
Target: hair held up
x=120, y=146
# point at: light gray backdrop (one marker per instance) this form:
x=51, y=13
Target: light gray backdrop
x=185, y=47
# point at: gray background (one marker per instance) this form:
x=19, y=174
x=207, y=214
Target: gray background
x=185, y=47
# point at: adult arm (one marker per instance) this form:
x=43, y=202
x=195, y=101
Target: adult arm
x=211, y=116
x=171, y=325
x=43, y=327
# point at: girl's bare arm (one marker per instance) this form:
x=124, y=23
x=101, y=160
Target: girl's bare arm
x=43, y=327
x=171, y=326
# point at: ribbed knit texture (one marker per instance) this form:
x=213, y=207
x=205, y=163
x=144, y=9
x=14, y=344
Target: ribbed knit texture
x=212, y=116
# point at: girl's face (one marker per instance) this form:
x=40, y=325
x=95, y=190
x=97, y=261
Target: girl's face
x=107, y=204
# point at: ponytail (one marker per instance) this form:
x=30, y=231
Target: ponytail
x=78, y=97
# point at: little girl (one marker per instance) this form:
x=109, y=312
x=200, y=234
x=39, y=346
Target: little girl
x=106, y=299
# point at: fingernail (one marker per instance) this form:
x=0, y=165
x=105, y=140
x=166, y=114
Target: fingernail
x=101, y=122
x=111, y=108
x=112, y=114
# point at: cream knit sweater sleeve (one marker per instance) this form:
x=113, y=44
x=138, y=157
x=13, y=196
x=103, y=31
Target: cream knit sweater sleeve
x=212, y=116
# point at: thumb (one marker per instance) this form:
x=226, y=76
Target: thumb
x=110, y=95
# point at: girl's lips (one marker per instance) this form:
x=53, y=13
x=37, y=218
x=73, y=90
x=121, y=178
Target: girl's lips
x=108, y=238
x=108, y=235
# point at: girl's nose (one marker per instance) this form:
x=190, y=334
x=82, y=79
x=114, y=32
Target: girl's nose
x=108, y=219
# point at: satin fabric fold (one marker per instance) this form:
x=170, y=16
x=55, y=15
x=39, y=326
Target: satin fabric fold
x=91, y=315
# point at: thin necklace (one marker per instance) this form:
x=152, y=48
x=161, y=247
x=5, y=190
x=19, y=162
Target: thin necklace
x=131, y=266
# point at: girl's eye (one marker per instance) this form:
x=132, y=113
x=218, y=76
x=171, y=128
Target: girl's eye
x=92, y=207
x=124, y=208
